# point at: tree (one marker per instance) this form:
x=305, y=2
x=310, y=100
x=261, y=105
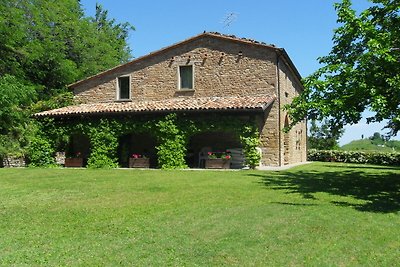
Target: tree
x=321, y=137
x=15, y=98
x=44, y=46
x=51, y=44
x=362, y=71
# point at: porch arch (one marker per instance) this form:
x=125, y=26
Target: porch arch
x=78, y=146
x=214, y=141
x=143, y=144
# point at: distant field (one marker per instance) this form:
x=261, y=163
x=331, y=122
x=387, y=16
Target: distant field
x=368, y=145
x=321, y=214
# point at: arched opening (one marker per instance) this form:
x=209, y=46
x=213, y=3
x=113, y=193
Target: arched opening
x=286, y=140
x=202, y=143
x=141, y=145
x=78, y=148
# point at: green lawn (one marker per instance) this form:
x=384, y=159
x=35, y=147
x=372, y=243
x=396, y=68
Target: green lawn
x=317, y=214
x=369, y=145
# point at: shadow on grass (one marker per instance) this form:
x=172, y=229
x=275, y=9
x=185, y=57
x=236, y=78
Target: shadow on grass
x=379, y=189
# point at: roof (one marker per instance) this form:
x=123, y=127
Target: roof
x=217, y=35
x=248, y=103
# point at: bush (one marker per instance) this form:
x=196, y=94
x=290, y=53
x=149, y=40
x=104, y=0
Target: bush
x=250, y=141
x=172, y=140
x=104, y=144
x=40, y=153
x=361, y=157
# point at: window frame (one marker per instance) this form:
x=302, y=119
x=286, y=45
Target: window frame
x=179, y=77
x=118, y=91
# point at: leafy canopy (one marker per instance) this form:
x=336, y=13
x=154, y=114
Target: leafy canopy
x=15, y=98
x=321, y=137
x=44, y=46
x=361, y=72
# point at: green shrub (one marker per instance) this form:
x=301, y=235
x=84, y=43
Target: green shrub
x=250, y=140
x=40, y=153
x=362, y=157
x=104, y=144
x=171, y=150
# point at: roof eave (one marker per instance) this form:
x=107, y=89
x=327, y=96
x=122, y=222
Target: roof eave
x=147, y=112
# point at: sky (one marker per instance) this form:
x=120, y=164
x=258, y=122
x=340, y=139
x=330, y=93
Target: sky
x=304, y=28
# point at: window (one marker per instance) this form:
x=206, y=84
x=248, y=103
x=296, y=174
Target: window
x=186, y=77
x=124, y=88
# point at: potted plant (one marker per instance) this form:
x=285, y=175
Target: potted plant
x=218, y=160
x=139, y=161
x=74, y=161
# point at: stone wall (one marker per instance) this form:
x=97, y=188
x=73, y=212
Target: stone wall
x=219, y=70
x=269, y=135
x=13, y=162
x=60, y=158
x=280, y=148
x=294, y=142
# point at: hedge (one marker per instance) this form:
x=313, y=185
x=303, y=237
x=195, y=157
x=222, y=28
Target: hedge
x=361, y=157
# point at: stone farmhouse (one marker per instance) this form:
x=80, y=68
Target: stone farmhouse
x=206, y=75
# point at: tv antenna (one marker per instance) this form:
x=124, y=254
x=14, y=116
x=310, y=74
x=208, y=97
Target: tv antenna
x=229, y=18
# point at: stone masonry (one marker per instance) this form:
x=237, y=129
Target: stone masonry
x=222, y=67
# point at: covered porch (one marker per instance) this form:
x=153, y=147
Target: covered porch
x=177, y=133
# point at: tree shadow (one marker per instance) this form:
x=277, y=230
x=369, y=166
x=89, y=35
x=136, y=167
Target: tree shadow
x=380, y=191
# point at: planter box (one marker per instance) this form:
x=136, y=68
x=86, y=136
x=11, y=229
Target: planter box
x=73, y=162
x=139, y=162
x=218, y=164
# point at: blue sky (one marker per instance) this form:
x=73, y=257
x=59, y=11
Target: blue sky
x=304, y=28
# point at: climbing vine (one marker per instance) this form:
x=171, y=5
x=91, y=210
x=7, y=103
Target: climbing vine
x=41, y=152
x=172, y=132
x=104, y=144
x=172, y=143
x=250, y=141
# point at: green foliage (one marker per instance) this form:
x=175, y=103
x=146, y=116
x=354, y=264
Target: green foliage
x=250, y=141
x=40, y=152
x=15, y=98
x=360, y=157
x=323, y=136
x=53, y=50
x=365, y=145
x=172, y=133
x=60, y=100
x=361, y=71
x=44, y=46
x=172, y=140
x=104, y=144
x=377, y=142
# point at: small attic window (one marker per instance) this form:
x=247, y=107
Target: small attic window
x=124, y=88
x=185, y=77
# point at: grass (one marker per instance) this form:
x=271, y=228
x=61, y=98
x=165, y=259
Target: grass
x=369, y=145
x=317, y=214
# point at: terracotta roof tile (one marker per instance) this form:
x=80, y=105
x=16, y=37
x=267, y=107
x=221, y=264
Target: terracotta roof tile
x=167, y=105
